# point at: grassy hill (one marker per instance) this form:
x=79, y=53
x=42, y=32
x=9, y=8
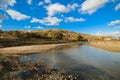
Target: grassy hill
x=49, y=36
x=18, y=38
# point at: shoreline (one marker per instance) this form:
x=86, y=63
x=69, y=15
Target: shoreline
x=113, y=46
x=22, y=50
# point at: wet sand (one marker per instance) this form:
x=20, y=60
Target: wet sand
x=113, y=46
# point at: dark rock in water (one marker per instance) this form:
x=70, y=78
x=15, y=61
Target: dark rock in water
x=27, y=73
x=31, y=70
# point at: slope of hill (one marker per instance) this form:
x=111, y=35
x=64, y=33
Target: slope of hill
x=18, y=38
x=41, y=34
x=49, y=36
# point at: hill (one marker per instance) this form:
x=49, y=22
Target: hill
x=42, y=34
x=49, y=36
x=18, y=38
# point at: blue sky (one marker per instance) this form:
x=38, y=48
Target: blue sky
x=96, y=17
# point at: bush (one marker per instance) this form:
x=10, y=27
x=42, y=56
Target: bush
x=55, y=35
x=78, y=37
x=16, y=34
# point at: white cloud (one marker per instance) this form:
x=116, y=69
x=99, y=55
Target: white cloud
x=6, y=3
x=56, y=8
x=117, y=7
x=113, y=23
x=39, y=27
x=73, y=6
x=35, y=20
x=40, y=3
x=47, y=1
x=91, y=6
x=3, y=17
x=17, y=15
x=28, y=27
x=115, y=34
x=72, y=19
x=29, y=2
x=51, y=21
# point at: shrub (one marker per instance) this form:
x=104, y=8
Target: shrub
x=55, y=35
x=78, y=37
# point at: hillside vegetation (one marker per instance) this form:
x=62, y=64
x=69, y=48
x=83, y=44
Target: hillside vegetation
x=49, y=36
x=19, y=38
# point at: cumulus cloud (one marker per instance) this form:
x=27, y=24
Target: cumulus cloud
x=29, y=2
x=73, y=6
x=91, y=6
x=27, y=27
x=51, y=21
x=113, y=23
x=39, y=27
x=56, y=8
x=115, y=34
x=40, y=3
x=35, y=20
x=17, y=15
x=117, y=7
x=6, y=3
x=44, y=2
x=47, y=1
x=3, y=17
x=72, y=19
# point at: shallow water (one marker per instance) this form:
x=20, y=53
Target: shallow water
x=90, y=62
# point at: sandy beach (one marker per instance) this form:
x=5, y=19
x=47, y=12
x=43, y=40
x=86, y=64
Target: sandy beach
x=113, y=46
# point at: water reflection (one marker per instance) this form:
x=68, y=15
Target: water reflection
x=89, y=61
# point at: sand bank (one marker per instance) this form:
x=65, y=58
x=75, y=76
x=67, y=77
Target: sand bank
x=113, y=46
x=31, y=48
